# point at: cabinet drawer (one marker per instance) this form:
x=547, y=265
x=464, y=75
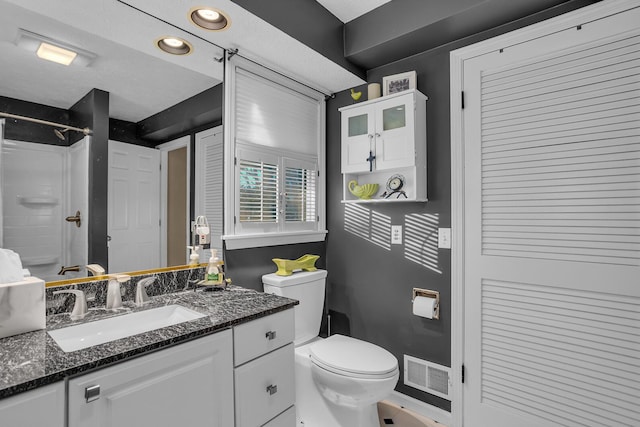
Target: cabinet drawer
x=264, y=387
x=261, y=336
x=285, y=419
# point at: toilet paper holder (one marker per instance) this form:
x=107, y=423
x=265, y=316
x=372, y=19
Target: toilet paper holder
x=418, y=292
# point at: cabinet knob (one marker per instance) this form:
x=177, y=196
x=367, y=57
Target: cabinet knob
x=377, y=135
x=370, y=136
x=272, y=389
x=92, y=393
x=271, y=335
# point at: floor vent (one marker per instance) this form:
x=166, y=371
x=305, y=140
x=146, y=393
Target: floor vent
x=427, y=376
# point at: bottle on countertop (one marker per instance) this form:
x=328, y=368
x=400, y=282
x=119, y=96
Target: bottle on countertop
x=194, y=258
x=215, y=274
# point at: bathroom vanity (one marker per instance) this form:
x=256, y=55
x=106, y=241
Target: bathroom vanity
x=232, y=367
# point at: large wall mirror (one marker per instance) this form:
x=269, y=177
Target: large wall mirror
x=57, y=185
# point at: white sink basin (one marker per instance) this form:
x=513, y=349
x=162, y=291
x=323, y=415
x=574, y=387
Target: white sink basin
x=101, y=331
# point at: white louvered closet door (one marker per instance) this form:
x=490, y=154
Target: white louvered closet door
x=209, y=183
x=552, y=223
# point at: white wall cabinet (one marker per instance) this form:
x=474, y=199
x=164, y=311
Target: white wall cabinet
x=384, y=137
x=43, y=406
x=264, y=373
x=186, y=385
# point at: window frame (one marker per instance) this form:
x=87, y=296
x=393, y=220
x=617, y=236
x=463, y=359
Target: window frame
x=244, y=237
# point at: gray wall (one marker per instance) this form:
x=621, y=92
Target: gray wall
x=370, y=287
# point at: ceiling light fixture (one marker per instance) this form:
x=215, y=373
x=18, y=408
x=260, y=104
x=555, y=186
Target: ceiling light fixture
x=209, y=19
x=174, y=45
x=52, y=50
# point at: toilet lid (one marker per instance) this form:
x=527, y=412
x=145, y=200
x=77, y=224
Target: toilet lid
x=348, y=355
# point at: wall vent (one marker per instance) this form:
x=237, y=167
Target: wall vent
x=427, y=376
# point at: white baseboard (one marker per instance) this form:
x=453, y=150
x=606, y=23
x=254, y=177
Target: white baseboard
x=422, y=408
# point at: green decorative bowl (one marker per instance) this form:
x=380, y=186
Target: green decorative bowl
x=364, y=191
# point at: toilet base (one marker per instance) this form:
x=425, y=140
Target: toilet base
x=313, y=410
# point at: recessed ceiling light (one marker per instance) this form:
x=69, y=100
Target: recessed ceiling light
x=52, y=50
x=209, y=18
x=174, y=45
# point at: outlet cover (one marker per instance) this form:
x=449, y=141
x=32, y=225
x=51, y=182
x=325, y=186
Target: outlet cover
x=396, y=234
x=444, y=238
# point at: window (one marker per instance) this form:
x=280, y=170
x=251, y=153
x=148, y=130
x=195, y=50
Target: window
x=276, y=193
x=275, y=149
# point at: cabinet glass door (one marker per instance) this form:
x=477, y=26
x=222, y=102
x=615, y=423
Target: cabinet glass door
x=394, y=132
x=358, y=125
x=357, y=136
x=394, y=117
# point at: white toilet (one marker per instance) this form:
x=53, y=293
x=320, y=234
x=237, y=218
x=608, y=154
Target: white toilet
x=340, y=379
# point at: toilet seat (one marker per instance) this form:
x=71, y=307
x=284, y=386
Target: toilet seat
x=353, y=358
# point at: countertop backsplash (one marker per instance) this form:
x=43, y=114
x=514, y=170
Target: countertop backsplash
x=96, y=290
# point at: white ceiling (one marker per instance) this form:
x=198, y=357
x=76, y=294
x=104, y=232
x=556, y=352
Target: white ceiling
x=140, y=78
x=348, y=10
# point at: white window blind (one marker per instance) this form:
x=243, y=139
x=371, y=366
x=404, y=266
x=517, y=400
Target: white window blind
x=276, y=193
x=258, y=180
x=273, y=115
x=300, y=193
x=258, y=192
x=276, y=154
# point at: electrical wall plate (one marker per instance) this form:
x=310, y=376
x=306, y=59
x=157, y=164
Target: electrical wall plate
x=396, y=234
x=444, y=238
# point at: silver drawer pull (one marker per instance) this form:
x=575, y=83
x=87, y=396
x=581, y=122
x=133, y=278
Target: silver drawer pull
x=272, y=389
x=92, y=393
x=271, y=335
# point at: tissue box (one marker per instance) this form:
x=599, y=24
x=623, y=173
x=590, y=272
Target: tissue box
x=22, y=307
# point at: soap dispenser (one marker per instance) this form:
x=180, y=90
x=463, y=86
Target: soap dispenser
x=215, y=275
x=194, y=258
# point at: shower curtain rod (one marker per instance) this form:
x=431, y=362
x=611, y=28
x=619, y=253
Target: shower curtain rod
x=86, y=131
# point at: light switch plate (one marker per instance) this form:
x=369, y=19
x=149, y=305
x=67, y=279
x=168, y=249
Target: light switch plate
x=444, y=238
x=396, y=234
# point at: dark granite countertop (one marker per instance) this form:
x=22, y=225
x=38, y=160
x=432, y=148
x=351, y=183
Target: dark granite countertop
x=33, y=359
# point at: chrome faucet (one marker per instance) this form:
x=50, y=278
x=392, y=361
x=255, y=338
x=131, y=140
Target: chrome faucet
x=141, y=293
x=114, y=295
x=80, y=306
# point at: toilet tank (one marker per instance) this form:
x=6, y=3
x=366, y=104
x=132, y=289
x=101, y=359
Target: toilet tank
x=306, y=287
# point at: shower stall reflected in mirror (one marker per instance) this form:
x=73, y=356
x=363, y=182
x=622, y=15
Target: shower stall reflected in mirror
x=41, y=186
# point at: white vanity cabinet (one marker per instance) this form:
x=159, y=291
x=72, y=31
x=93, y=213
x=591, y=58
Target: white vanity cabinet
x=383, y=137
x=43, y=406
x=264, y=371
x=190, y=384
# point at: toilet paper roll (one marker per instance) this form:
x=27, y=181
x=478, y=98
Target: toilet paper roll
x=424, y=306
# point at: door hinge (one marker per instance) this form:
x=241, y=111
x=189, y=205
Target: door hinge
x=462, y=376
x=235, y=161
x=462, y=98
x=234, y=220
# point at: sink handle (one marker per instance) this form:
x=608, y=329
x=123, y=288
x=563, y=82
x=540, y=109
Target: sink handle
x=80, y=306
